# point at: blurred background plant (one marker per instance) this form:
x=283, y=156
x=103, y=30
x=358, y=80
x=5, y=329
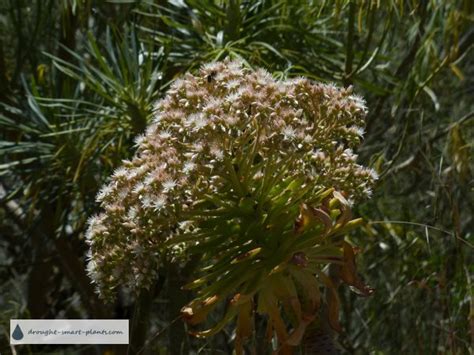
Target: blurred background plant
x=78, y=80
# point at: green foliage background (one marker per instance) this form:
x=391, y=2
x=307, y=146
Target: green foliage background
x=78, y=80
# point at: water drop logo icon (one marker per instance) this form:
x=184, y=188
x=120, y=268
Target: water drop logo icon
x=17, y=333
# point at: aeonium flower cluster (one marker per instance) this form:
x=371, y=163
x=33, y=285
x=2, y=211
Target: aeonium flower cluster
x=218, y=139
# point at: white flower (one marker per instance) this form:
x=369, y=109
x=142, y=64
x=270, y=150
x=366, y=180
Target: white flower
x=196, y=120
x=147, y=202
x=169, y=185
x=349, y=154
x=359, y=102
x=232, y=120
x=235, y=67
x=289, y=133
x=104, y=192
x=188, y=167
x=198, y=147
x=368, y=192
x=200, y=123
x=156, y=120
x=165, y=134
x=232, y=84
x=139, y=139
x=93, y=222
x=308, y=139
x=209, y=67
x=217, y=152
x=92, y=270
x=212, y=104
x=232, y=97
x=120, y=173
x=360, y=131
x=159, y=203
x=373, y=174
x=139, y=188
x=132, y=213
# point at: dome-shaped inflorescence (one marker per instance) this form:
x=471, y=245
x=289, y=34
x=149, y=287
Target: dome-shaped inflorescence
x=229, y=147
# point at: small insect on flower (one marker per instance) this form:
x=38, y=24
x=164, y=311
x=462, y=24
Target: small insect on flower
x=211, y=76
